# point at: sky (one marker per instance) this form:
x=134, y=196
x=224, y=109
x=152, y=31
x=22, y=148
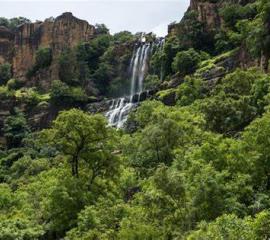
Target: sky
x=118, y=15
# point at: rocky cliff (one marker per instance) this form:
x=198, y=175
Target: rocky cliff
x=208, y=13
x=19, y=47
x=6, y=45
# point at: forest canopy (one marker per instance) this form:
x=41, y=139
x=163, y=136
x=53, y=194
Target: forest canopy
x=192, y=161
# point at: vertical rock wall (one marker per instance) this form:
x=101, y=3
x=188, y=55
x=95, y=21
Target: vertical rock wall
x=19, y=47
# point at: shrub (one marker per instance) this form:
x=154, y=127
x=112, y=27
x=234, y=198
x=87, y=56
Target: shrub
x=5, y=73
x=30, y=96
x=186, y=62
x=62, y=93
x=43, y=59
x=151, y=81
x=5, y=92
x=189, y=91
x=68, y=67
x=14, y=84
x=15, y=128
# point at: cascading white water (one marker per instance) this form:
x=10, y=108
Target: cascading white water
x=135, y=66
x=143, y=68
x=119, y=109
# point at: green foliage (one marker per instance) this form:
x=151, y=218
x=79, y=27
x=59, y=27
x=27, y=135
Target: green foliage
x=232, y=13
x=189, y=91
x=30, y=96
x=4, y=22
x=239, y=98
x=231, y=227
x=123, y=37
x=226, y=40
x=15, y=129
x=68, y=68
x=91, y=145
x=101, y=29
x=227, y=115
x=5, y=73
x=191, y=33
x=196, y=169
x=19, y=228
x=6, y=198
x=99, y=221
x=62, y=93
x=151, y=82
x=186, y=62
x=256, y=136
x=43, y=59
x=226, y=227
x=13, y=23
x=160, y=134
x=14, y=84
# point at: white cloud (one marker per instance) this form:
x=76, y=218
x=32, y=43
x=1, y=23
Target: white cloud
x=161, y=30
x=118, y=15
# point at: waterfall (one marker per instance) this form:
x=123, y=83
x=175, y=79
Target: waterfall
x=120, y=108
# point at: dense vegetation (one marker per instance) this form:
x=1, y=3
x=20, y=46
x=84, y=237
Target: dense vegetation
x=197, y=170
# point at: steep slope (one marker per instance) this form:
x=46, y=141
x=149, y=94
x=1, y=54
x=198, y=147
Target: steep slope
x=19, y=48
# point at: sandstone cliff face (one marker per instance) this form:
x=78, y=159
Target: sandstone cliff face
x=208, y=13
x=6, y=45
x=58, y=34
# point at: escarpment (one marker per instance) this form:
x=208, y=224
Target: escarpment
x=19, y=48
x=6, y=45
x=208, y=13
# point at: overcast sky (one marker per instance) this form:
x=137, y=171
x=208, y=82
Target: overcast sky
x=118, y=15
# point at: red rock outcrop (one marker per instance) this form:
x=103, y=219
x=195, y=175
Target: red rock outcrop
x=19, y=48
x=208, y=12
x=6, y=45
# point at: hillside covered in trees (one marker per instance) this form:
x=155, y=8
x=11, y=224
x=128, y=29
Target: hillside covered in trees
x=192, y=159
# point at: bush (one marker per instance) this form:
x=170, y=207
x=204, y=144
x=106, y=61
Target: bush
x=232, y=13
x=14, y=84
x=15, y=129
x=5, y=73
x=189, y=91
x=62, y=93
x=30, y=96
x=43, y=59
x=5, y=92
x=186, y=62
x=13, y=22
x=68, y=67
x=123, y=37
x=151, y=81
x=101, y=29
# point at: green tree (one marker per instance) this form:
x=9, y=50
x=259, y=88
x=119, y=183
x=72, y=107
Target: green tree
x=15, y=129
x=85, y=139
x=68, y=68
x=5, y=73
x=61, y=93
x=4, y=22
x=226, y=227
x=256, y=137
x=186, y=62
x=19, y=228
x=189, y=91
x=101, y=29
x=123, y=37
x=43, y=59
